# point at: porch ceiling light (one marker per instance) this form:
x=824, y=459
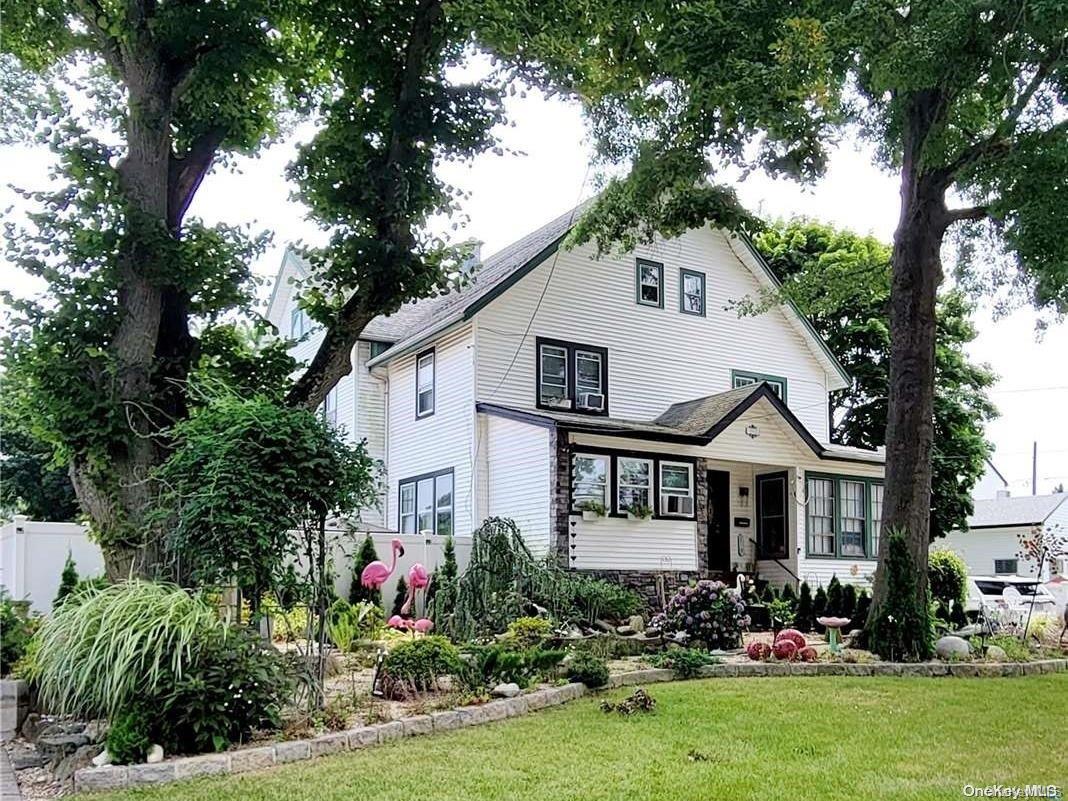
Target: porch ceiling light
x=752, y=431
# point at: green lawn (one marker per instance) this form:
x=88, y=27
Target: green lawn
x=762, y=738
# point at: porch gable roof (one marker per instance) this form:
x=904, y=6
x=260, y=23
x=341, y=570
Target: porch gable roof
x=695, y=422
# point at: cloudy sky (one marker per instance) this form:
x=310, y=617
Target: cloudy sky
x=512, y=194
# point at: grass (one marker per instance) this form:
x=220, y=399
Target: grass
x=817, y=738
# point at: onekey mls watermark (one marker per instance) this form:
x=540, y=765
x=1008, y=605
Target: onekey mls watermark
x=1010, y=791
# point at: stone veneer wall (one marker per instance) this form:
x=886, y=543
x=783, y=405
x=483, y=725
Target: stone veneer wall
x=647, y=583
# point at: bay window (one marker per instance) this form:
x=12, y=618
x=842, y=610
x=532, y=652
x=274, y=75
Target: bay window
x=842, y=516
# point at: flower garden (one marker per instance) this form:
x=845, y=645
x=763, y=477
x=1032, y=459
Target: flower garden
x=133, y=679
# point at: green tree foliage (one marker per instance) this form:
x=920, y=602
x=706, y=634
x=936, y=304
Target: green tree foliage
x=841, y=281
x=805, y=615
x=400, y=596
x=443, y=586
x=364, y=557
x=948, y=577
x=68, y=581
x=849, y=601
x=788, y=593
x=834, y=598
x=900, y=630
x=242, y=475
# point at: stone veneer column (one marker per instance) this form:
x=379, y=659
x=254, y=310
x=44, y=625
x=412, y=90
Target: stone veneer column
x=561, y=490
x=700, y=506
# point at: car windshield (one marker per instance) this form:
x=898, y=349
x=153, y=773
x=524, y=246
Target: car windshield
x=998, y=587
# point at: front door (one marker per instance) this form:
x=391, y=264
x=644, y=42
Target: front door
x=771, y=498
x=719, y=521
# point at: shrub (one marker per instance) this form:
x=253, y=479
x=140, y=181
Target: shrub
x=947, y=576
x=442, y=598
x=364, y=557
x=118, y=645
x=901, y=630
x=768, y=595
x=834, y=598
x=487, y=666
x=528, y=632
x=588, y=669
x=781, y=612
x=788, y=594
x=16, y=631
x=686, y=662
x=128, y=737
x=1015, y=651
x=237, y=684
x=819, y=607
x=400, y=596
x=589, y=599
x=849, y=601
x=804, y=614
x=415, y=665
x=68, y=581
x=860, y=614
x=709, y=612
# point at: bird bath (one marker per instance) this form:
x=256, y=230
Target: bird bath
x=834, y=631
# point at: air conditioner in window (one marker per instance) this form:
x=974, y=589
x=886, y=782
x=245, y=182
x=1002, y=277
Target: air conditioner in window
x=593, y=401
x=676, y=505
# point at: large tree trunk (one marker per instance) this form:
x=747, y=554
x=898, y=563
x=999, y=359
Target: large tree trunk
x=916, y=275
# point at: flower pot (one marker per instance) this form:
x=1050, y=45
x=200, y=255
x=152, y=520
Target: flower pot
x=590, y=517
x=632, y=516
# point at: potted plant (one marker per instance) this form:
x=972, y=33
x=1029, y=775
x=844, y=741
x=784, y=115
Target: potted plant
x=592, y=510
x=638, y=511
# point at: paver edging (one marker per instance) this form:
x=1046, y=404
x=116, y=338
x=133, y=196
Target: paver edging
x=116, y=777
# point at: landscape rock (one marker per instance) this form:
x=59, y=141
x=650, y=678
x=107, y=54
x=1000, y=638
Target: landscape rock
x=997, y=653
x=604, y=626
x=505, y=690
x=950, y=647
x=101, y=759
x=625, y=631
x=34, y=726
x=24, y=755
x=154, y=755
x=54, y=747
x=82, y=758
x=96, y=731
x=636, y=622
x=205, y=765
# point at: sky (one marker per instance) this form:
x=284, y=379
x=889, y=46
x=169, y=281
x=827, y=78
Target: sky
x=512, y=194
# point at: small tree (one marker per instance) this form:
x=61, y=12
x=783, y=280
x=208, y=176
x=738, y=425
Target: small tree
x=443, y=584
x=948, y=577
x=849, y=601
x=804, y=616
x=819, y=603
x=364, y=557
x=900, y=628
x=834, y=598
x=788, y=594
x=400, y=596
x=860, y=616
x=768, y=595
x=68, y=580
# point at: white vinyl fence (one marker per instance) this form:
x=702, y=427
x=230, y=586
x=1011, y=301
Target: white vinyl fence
x=32, y=555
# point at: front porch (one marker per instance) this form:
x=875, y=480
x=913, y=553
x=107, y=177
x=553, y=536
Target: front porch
x=725, y=483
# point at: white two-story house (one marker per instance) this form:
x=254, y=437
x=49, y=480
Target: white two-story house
x=557, y=379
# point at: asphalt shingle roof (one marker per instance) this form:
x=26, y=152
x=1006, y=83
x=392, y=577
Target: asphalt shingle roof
x=1026, y=510
x=699, y=416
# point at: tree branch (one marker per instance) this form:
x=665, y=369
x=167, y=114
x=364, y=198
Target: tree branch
x=971, y=213
x=92, y=11
x=187, y=172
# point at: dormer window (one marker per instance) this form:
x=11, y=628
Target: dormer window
x=745, y=378
x=649, y=280
x=572, y=377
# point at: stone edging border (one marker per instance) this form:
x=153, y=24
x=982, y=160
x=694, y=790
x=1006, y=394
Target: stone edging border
x=117, y=777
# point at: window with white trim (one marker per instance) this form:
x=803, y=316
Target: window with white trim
x=852, y=516
x=676, y=489
x=589, y=480
x=820, y=516
x=424, y=384
x=572, y=376
x=649, y=277
x=742, y=378
x=691, y=292
x=1005, y=567
x=876, y=517
x=298, y=323
x=553, y=388
x=425, y=503
x=634, y=483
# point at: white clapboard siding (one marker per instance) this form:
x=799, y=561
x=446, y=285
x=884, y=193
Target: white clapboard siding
x=444, y=439
x=369, y=425
x=613, y=543
x=981, y=546
x=656, y=357
x=519, y=471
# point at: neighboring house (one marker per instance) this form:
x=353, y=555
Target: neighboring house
x=991, y=545
x=557, y=378
x=991, y=484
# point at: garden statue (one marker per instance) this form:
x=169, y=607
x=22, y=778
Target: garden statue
x=833, y=626
x=376, y=574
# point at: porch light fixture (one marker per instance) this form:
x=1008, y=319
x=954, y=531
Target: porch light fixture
x=752, y=431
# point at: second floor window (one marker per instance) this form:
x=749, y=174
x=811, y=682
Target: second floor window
x=649, y=277
x=745, y=378
x=424, y=384
x=330, y=407
x=692, y=292
x=298, y=323
x=572, y=377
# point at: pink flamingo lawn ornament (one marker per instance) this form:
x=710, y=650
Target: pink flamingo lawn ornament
x=376, y=574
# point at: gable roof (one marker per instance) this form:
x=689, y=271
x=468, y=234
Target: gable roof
x=1026, y=510
x=422, y=319
x=695, y=422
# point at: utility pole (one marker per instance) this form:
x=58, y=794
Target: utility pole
x=1034, y=468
